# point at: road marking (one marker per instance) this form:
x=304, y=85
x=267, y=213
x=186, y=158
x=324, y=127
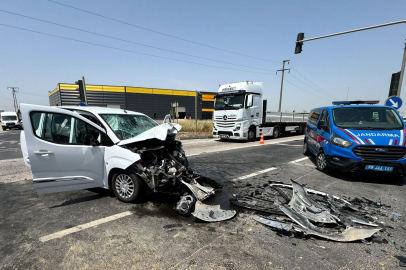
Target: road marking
x=255, y=174
x=85, y=226
x=289, y=144
x=298, y=160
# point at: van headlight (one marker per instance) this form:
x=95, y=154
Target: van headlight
x=338, y=141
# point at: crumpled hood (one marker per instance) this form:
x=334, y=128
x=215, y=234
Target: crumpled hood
x=159, y=132
x=376, y=137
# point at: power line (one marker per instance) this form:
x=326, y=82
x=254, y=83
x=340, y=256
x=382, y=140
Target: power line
x=32, y=94
x=310, y=86
x=308, y=79
x=128, y=41
x=130, y=51
x=160, y=33
x=302, y=88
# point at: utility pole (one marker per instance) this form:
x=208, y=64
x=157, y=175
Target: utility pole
x=14, y=91
x=402, y=71
x=84, y=89
x=283, y=73
x=348, y=91
x=196, y=112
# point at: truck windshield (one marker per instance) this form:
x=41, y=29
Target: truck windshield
x=367, y=118
x=9, y=118
x=127, y=126
x=229, y=102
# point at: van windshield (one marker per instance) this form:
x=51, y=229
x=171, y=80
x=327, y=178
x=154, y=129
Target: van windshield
x=367, y=118
x=127, y=126
x=229, y=102
x=9, y=118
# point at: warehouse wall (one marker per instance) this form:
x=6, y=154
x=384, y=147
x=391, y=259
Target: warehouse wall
x=156, y=103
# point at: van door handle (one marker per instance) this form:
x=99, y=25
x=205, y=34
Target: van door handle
x=43, y=153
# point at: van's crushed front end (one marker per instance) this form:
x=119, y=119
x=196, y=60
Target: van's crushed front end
x=164, y=168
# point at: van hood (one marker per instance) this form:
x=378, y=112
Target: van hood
x=159, y=132
x=376, y=137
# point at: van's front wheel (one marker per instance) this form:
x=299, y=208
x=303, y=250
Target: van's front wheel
x=321, y=162
x=126, y=186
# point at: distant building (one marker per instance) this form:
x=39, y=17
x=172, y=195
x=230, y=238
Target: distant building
x=154, y=102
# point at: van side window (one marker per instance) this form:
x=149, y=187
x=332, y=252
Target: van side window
x=61, y=128
x=314, y=116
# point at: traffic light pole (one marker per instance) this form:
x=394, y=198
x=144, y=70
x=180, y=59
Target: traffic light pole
x=196, y=111
x=402, y=72
x=283, y=73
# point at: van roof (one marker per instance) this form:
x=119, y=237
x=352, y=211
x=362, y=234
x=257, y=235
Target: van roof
x=350, y=106
x=8, y=114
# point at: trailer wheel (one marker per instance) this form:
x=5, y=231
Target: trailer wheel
x=252, y=134
x=276, y=132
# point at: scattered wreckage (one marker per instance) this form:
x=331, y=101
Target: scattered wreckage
x=72, y=148
x=297, y=209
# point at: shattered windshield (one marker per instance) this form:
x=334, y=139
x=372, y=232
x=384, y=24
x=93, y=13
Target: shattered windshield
x=229, y=102
x=127, y=126
x=9, y=118
x=367, y=118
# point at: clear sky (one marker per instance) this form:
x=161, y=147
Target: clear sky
x=362, y=61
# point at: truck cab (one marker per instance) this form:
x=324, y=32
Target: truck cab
x=238, y=110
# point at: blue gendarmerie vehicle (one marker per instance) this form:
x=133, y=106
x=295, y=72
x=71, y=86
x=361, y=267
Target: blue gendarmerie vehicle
x=356, y=136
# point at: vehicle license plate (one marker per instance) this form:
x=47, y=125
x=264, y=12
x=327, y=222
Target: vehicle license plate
x=379, y=168
x=224, y=136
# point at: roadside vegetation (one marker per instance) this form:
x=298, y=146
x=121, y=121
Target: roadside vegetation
x=203, y=126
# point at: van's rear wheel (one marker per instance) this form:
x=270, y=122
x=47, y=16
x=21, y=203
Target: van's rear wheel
x=126, y=186
x=306, y=151
x=252, y=135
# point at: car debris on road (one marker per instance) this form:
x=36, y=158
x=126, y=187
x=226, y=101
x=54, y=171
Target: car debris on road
x=297, y=209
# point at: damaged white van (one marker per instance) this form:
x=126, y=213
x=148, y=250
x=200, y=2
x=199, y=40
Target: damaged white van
x=72, y=148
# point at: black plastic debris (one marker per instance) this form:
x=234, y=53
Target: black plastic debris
x=402, y=260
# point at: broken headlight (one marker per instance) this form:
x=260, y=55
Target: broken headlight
x=338, y=141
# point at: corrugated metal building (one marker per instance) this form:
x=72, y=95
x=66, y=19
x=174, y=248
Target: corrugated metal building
x=154, y=102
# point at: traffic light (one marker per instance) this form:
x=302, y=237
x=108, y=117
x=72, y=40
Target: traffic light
x=81, y=90
x=298, y=48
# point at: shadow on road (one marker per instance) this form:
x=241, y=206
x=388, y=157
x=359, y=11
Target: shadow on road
x=367, y=177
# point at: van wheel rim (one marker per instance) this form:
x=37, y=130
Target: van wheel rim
x=124, y=186
x=304, y=147
x=322, y=161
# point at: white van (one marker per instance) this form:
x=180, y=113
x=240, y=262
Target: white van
x=10, y=120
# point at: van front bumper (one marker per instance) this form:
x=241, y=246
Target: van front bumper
x=349, y=165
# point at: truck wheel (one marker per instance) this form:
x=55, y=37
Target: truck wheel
x=321, y=162
x=306, y=151
x=276, y=132
x=252, y=135
x=126, y=186
x=4, y=129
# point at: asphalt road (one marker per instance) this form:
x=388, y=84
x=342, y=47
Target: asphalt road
x=150, y=235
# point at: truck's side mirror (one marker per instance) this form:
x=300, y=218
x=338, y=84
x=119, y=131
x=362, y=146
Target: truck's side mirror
x=249, y=100
x=167, y=119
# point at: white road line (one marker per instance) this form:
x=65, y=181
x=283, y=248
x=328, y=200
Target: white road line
x=78, y=228
x=255, y=174
x=298, y=160
x=289, y=144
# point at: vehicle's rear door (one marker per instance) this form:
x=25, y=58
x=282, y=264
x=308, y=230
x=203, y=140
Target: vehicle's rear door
x=58, y=158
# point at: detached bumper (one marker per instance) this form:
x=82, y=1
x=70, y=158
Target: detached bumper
x=345, y=164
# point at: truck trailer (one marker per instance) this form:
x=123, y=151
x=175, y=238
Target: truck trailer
x=240, y=113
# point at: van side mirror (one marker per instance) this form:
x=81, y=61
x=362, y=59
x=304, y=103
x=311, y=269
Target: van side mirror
x=249, y=100
x=88, y=139
x=167, y=119
x=323, y=125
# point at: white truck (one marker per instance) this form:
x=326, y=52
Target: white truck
x=240, y=114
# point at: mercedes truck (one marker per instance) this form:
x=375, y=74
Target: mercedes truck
x=240, y=113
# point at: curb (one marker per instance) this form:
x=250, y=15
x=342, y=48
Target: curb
x=195, y=137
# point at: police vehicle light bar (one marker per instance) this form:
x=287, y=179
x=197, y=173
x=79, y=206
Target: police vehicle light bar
x=356, y=102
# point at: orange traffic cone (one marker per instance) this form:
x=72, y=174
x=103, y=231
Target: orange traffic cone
x=262, y=139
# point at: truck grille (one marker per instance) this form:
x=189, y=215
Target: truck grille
x=370, y=152
x=225, y=124
x=10, y=124
x=228, y=118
